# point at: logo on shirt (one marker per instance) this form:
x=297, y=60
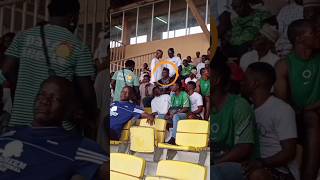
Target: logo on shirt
x=63, y=50
x=306, y=74
x=129, y=77
x=113, y=111
x=11, y=151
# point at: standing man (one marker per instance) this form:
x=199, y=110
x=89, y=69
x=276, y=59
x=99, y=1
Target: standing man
x=27, y=66
x=156, y=73
x=298, y=82
x=176, y=60
x=125, y=77
x=197, y=59
x=203, y=88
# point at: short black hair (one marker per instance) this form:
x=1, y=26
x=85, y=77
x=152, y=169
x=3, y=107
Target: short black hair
x=130, y=63
x=264, y=72
x=220, y=67
x=178, y=83
x=171, y=49
x=193, y=84
x=63, y=8
x=202, y=70
x=296, y=28
x=66, y=87
x=165, y=69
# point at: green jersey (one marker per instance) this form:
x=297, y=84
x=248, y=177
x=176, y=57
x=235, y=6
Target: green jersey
x=234, y=124
x=124, y=77
x=68, y=55
x=181, y=101
x=304, y=78
x=205, y=87
x=186, y=71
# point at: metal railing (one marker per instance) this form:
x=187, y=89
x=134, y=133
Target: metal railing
x=139, y=61
x=117, y=50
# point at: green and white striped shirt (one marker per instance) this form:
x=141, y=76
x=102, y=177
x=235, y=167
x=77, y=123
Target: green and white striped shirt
x=69, y=57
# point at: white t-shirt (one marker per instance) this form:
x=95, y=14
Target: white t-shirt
x=196, y=101
x=252, y=57
x=177, y=61
x=189, y=79
x=276, y=122
x=199, y=67
x=155, y=76
x=161, y=104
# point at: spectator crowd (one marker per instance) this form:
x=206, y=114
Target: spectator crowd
x=172, y=89
x=265, y=92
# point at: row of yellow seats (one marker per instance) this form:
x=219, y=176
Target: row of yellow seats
x=192, y=136
x=129, y=167
x=159, y=126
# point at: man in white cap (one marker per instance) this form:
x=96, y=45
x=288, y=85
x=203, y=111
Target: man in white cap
x=262, y=47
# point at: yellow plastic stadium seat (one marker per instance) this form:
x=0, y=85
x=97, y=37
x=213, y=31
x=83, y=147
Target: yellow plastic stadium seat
x=126, y=167
x=124, y=134
x=158, y=178
x=160, y=127
x=142, y=139
x=192, y=135
x=148, y=110
x=181, y=170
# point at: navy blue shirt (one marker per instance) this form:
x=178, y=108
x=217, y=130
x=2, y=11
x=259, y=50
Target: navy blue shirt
x=121, y=113
x=48, y=153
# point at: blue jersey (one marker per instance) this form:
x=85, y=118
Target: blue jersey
x=121, y=113
x=48, y=154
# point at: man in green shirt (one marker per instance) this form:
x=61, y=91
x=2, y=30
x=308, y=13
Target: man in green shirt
x=26, y=65
x=180, y=106
x=232, y=126
x=203, y=88
x=186, y=69
x=125, y=77
x=298, y=82
x=240, y=32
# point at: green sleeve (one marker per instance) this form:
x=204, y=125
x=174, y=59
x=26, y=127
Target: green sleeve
x=244, y=125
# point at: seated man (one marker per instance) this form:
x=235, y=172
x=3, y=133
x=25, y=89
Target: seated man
x=232, y=126
x=46, y=151
x=245, y=27
x=123, y=111
x=160, y=104
x=186, y=69
x=196, y=102
x=276, y=125
x=298, y=82
x=262, y=48
x=179, y=109
x=192, y=76
x=165, y=80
